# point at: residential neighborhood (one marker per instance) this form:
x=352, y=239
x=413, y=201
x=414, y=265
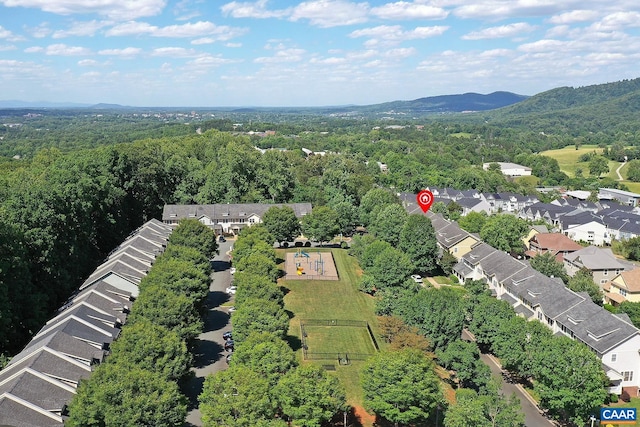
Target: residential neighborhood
x=535, y=296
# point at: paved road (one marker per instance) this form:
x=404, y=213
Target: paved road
x=209, y=353
x=532, y=414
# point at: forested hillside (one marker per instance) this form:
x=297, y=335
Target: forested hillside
x=607, y=108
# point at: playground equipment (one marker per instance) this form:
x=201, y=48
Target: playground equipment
x=301, y=253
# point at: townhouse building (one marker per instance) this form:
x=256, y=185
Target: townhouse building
x=39, y=382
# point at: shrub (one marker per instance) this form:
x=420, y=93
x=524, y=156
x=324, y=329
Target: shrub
x=613, y=398
x=625, y=396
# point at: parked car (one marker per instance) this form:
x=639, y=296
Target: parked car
x=221, y=239
x=227, y=335
x=231, y=309
x=231, y=290
x=232, y=270
x=417, y=278
x=229, y=357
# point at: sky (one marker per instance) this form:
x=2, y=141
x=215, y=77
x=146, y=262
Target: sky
x=207, y=53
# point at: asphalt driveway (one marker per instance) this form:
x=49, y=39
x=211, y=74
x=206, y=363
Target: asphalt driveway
x=209, y=354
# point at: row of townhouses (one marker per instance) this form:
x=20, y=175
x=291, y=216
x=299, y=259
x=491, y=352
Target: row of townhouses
x=39, y=382
x=227, y=218
x=535, y=296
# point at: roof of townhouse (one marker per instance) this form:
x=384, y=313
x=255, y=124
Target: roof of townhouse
x=558, y=298
x=501, y=265
x=50, y=362
x=606, y=192
x=595, y=326
x=17, y=412
x=38, y=389
x=479, y=252
x=554, y=242
x=630, y=280
x=449, y=235
x=66, y=344
x=469, y=202
x=594, y=258
x=231, y=210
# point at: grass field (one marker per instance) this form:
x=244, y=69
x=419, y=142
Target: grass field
x=336, y=299
x=339, y=339
x=635, y=403
x=568, y=160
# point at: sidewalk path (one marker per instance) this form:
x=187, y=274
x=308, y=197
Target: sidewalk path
x=620, y=178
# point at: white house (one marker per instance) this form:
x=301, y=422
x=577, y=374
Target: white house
x=592, y=232
x=510, y=169
x=227, y=218
x=624, y=197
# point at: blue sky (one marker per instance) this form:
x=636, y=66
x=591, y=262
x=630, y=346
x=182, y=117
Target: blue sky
x=311, y=53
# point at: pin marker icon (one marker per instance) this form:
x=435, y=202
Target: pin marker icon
x=425, y=199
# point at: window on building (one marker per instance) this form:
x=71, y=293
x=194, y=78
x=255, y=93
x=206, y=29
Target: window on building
x=614, y=357
x=623, y=292
x=605, y=272
x=627, y=376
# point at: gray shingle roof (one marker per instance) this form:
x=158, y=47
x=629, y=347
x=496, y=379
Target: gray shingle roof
x=231, y=210
x=594, y=258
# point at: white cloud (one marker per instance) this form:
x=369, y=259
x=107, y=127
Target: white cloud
x=283, y=55
x=510, y=30
x=127, y=52
x=544, y=45
x=395, y=33
x=174, y=52
x=203, y=40
x=233, y=45
x=59, y=50
x=404, y=52
x=88, y=63
x=205, y=62
x=328, y=61
x=255, y=10
x=81, y=29
x=617, y=21
x=198, y=29
x=418, y=9
x=7, y=47
x=114, y=9
x=9, y=36
x=574, y=16
x=39, y=32
x=500, y=9
x=330, y=13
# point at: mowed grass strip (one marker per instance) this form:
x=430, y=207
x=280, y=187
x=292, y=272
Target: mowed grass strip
x=568, y=160
x=332, y=299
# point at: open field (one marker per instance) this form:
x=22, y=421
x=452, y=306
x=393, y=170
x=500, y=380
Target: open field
x=568, y=160
x=332, y=299
x=339, y=340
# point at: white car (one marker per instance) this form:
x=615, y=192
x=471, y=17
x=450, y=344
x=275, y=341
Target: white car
x=231, y=309
x=417, y=278
x=233, y=270
x=231, y=290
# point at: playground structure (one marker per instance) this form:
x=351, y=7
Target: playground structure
x=310, y=264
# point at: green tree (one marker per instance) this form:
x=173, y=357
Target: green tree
x=260, y=265
x=401, y=386
x=236, y=397
x=391, y=267
x=487, y=316
x=418, y=241
x=124, y=396
x=463, y=357
x=632, y=309
x=282, y=223
x=504, y=233
x=633, y=171
x=562, y=367
x=274, y=176
x=548, y=265
x=388, y=224
x=598, y=165
x=194, y=234
x=473, y=221
x=257, y=315
x=491, y=409
x=309, y=397
x=321, y=224
x=255, y=286
x=265, y=354
x=373, y=202
x=151, y=347
x=582, y=281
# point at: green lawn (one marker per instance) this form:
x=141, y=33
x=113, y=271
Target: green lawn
x=338, y=299
x=339, y=339
x=568, y=160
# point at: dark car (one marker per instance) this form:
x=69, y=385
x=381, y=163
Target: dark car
x=222, y=239
x=229, y=343
x=227, y=335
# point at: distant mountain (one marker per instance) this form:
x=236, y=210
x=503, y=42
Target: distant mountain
x=103, y=106
x=447, y=103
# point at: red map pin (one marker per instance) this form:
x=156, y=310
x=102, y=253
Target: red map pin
x=425, y=199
